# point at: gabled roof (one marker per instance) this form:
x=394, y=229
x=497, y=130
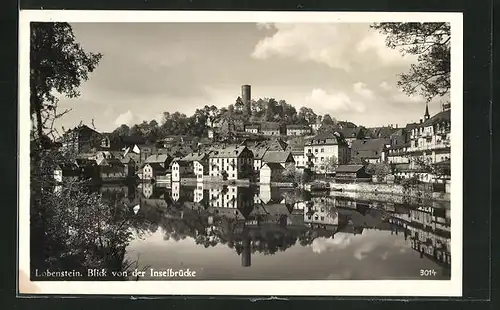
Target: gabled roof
x=159, y=158
x=369, y=144
x=329, y=137
x=346, y=124
x=274, y=166
x=349, y=132
x=443, y=116
x=380, y=132
x=348, y=168
x=277, y=156
x=258, y=151
x=228, y=152
x=200, y=156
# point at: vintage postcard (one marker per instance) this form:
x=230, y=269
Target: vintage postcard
x=240, y=153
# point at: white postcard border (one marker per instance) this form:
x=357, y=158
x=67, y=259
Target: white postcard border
x=442, y=288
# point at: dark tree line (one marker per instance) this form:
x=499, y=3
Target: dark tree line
x=198, y=124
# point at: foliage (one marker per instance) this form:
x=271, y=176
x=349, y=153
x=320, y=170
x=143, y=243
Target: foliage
x=431, y=43
x=307, y=175
x=330, y=163
x=380, y=170
x=58, y=64
x=291, y=174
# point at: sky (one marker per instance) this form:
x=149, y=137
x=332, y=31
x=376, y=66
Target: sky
x=150, y=68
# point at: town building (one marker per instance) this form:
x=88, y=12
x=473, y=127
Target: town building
x=80, y=139
x=350, y=134
x=231, y=163
x=252, y=128
x=271, y=172
x=351, y=173
x=156, y=167
x=284, y=158
x=199, y=162
x=258, y=150
x=370, y=150
x=112, y=169
x=323, y=146
x=270, y=129
x=427, y=153
x=181, y=169
x=297, y=130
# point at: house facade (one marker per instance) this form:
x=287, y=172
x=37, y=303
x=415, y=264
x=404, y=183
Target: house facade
x=370, y=150
x=231, y=163
x=351, y=173
x=252, y=128
x=297, y=130
x=181, y=169
x=270, y=129
x=271, y=172
x=323, y=146
x=81, y=139
x=156, y=167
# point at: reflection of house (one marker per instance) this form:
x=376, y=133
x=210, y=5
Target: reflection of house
x=321, y=215
x=130, y=166
x=230, y=197
x=231, y=162
x=156, y=166
x=297, y=130
x=323, y=146
x=351, y=173
x=271, y=172
x=269, y=194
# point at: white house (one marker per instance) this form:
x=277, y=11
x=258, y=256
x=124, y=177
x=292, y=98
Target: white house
x=199, y=161
x=297, y=130
x=253, y=128
x=271, y=172
x=156, y=166
x=258, y=152
x=181, y=169
x=325, y=145
x=270, y=129
x=231, y=163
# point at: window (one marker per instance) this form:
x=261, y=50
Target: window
x=322, y=150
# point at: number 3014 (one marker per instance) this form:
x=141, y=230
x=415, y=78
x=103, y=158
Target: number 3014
x=427, y=272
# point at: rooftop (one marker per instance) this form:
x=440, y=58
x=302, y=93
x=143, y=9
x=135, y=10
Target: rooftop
x=443, y=116
x=277, y=156
x=228, y=151
x=349, y=168
x=159, y=158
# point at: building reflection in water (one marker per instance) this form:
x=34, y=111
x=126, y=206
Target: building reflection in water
x=266, y=219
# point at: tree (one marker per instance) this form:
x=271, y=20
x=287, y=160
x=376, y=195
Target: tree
x=380, y=170
x=239, y=104
x=330, y=163
x=431, y=43
x=123, y=130
x=327, y=120
x=307, y=115
x=58, y=64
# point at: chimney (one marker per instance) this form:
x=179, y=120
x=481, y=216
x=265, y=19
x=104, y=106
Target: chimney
x=396, y=126
x=420, y=121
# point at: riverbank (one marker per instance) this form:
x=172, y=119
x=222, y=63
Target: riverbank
x=389, y=191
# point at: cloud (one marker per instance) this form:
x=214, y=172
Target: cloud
x=124, y=118
x=385, y=86
x=321, y=43
x=319, y=99
x=363, y=251
x=339, y=241
x=375, y=42
x=338, y=45
x=362, y=90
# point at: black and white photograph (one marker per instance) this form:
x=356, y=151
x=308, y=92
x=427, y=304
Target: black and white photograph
x=264, y=153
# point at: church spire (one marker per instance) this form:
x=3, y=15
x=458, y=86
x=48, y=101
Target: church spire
x=426, y=115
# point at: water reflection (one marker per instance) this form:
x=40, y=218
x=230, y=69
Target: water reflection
x=206, y=226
